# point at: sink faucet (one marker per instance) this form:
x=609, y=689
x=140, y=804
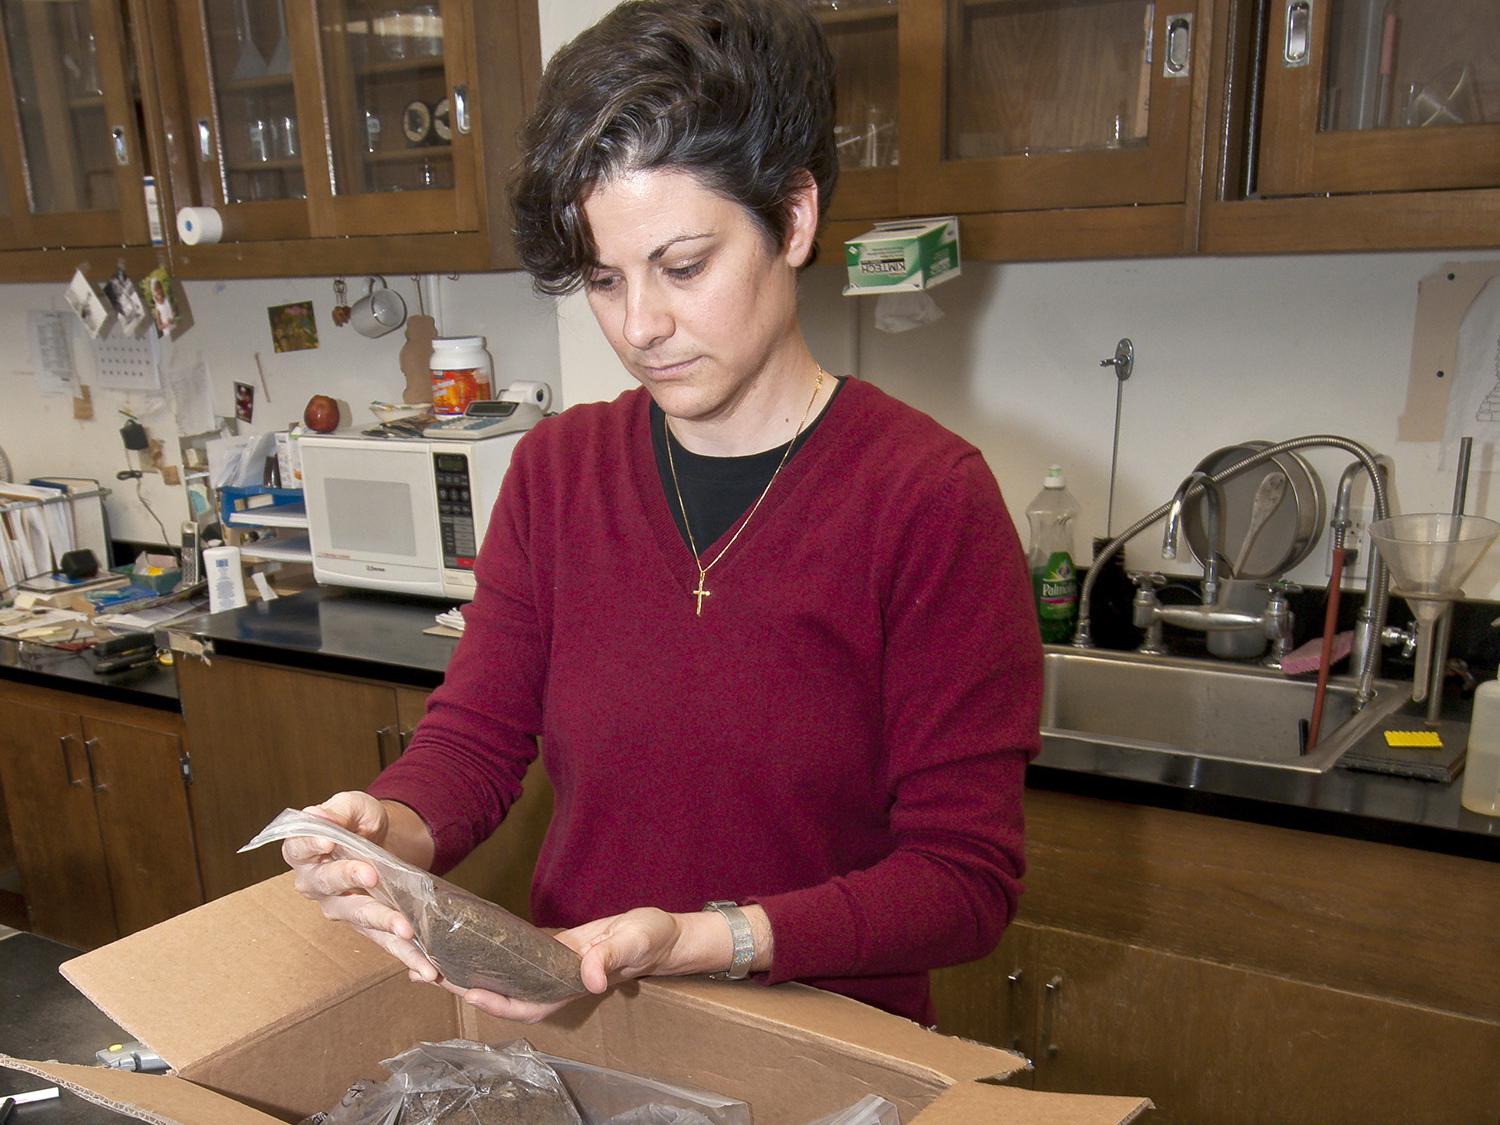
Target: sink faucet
x=1367, y=632
x=1213, y=496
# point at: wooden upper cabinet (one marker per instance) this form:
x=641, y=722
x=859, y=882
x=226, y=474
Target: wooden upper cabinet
x=1380, y=96
x=863, y=38
x=249, y=113
x=361, y=123
x=71, y=150
x=400, y=113
x=1045, y=104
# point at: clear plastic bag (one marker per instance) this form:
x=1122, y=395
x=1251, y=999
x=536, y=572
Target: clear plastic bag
x=871, y=1109
x=458, y=1082
x=615, y=1097
x=474, y=943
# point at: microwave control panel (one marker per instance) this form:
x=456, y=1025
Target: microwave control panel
x=455, y=494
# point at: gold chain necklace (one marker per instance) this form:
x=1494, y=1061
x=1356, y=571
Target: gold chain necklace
x=703, y=591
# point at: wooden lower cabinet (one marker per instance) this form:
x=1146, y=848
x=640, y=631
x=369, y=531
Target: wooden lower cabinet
x=266, y=737
x=96, y=796
x=1242, y=1026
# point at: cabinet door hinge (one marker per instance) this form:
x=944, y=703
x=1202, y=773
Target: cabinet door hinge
x=185, y=764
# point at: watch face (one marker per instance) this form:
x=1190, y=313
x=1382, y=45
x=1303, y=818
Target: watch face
x=416, y=122
x=440, y=125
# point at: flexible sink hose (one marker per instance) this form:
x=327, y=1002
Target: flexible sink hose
x=1330, y=625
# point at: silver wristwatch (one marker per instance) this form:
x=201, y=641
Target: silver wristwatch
x=744, y=940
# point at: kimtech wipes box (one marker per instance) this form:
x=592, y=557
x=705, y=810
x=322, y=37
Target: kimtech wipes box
x=267, y=1012
x=903, y=255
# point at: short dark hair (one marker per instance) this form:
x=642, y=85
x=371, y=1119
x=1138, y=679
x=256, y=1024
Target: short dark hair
x=737, y=93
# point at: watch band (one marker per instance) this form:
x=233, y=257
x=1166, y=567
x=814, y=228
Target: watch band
x=739, y=932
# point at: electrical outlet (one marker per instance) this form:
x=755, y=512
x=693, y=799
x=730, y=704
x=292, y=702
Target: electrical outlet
x=1356, y=547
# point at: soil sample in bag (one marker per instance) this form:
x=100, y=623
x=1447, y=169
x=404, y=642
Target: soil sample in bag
x=480, y=945
x=474, y=943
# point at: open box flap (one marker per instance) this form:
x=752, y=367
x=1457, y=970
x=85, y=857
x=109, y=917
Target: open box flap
x=157, y=1098
x=896, y=1042
x=231, y=970
x=970, y=1102
x=795, y=1053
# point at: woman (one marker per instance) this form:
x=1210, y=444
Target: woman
x=773, y=627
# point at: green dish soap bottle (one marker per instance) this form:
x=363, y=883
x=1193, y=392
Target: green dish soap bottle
x=1054, y=581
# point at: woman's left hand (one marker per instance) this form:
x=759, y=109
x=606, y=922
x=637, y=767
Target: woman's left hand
x=638, y=943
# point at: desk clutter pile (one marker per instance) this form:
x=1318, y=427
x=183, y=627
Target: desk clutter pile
x=55, y=589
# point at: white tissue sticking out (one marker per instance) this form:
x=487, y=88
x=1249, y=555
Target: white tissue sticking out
x=901, y=312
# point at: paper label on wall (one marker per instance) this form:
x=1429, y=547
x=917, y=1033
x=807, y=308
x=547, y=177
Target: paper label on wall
x=52, y=351
x=1474, y=396
x=192, y=399
x=126, y=364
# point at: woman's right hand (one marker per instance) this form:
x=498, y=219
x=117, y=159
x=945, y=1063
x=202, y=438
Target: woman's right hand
x=341, y=886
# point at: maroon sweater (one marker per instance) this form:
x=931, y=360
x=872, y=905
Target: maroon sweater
x=841, y=736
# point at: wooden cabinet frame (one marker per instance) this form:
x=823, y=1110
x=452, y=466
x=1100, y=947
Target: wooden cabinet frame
x=1238, y=972
x=463, y=228
x=1394, y=200
x=1099, y=203
x=97, y=793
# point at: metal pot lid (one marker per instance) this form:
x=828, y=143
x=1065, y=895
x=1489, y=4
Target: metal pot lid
x=1287, y=537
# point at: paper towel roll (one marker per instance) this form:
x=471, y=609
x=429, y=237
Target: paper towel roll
x=539, y=394
x=199, y=225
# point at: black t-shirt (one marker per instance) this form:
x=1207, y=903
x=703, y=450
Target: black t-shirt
x=716, y=490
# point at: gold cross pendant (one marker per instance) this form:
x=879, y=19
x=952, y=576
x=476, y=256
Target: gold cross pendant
x=701, y=592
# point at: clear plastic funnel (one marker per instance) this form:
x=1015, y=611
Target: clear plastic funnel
x=1429, y=554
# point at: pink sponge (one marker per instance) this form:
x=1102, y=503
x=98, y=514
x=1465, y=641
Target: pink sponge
x=1306, y=657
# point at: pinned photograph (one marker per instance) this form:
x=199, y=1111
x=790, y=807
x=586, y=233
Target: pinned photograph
x=158, y=290
x=292, y=327
x=244, y=402
x=85, y=301
x=126, y=298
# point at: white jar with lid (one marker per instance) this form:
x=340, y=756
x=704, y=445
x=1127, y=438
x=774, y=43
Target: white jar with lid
x=461, y=373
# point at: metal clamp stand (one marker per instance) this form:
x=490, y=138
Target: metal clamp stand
x=1443, y=630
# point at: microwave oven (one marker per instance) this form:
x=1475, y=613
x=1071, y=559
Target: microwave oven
x=405, y=515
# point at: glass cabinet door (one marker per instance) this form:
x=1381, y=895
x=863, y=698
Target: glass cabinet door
x=249, y=115
x=1380, y=95
x=72, y=89
x=1023, y=104
x=400, y=115
x=863, y=37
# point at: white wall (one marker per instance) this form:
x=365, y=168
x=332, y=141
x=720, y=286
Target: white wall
x=230, y=326
x=1227, y=350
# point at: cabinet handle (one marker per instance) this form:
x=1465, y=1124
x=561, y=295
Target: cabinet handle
x=382, y=741
x=205, y=141
x=1178, y=59
x=1297, y=50
x=461, y=109
x=1013, y=1014
x=1049, y=1015
x=89, y=745
x=122, y=150
x=62, y=742
x=405, y=737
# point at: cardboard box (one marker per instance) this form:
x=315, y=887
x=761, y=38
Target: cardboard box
x=903, y=255
x=267, y=1013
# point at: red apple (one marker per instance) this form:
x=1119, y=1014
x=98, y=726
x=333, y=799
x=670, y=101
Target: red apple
x=322, y=414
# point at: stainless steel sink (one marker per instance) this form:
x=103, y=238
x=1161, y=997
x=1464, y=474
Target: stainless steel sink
x=1200, y=708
